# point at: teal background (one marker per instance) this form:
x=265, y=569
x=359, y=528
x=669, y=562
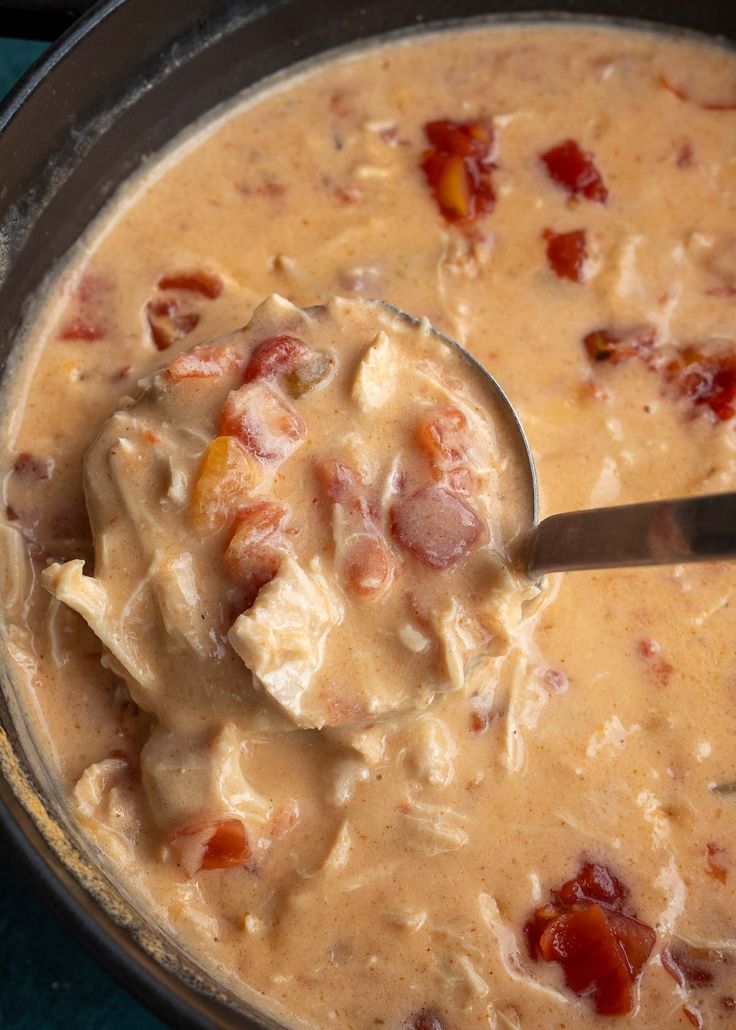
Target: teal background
x=47, y=981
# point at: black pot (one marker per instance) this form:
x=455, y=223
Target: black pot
x=116, y=87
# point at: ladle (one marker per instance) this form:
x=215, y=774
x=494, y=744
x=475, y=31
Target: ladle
x=688, y=529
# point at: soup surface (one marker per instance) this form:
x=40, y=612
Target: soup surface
x=373, y=778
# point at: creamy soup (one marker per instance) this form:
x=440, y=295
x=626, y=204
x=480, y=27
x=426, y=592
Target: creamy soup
x=269, y=631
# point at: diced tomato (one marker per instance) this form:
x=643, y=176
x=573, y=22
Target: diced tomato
x=213, y=844
x=206, y=361
x=567, y=253
x=276, y=356
x=167, y=322
x=636, y=938
x=602, y=949
x=706, y=379
x=80, y=329
x=575, y=170
x=256, y=547
x=426, y=1019
x=617, y=345
x=260, y=417
x=362, y=551
x=444, y=438
x=466, y=139
x=340, y=483
x=681, y=94
x=226, y=480
x=594, y=883
x=436, y=527
x=592, y=959
x=197, y=280
x=368, y=566
x=227, y=847
x=458, y=168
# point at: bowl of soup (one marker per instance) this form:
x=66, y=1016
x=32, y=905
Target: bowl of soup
x=285, y=727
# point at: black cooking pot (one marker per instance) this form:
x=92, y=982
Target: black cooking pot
x=117, y=86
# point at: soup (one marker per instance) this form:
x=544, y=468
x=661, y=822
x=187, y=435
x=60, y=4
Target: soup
x=469, y=800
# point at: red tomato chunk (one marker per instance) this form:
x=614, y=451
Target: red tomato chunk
x=444, y=439
x=278, y=355
x=226, y=844
x=256, y=547
x=340, y=483
x=207, y=284
x=227, y=847
x=436, y=527
x=601, y=947
x=458, y=166
x=575, y=170
x=266, y=425
x=567, y=253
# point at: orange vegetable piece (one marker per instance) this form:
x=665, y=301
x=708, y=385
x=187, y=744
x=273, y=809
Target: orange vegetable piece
x=225, y=482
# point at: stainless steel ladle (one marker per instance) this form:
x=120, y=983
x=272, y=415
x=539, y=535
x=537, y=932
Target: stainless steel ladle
x=689, y=529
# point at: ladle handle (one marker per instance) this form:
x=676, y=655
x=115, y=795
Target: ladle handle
x=656, y=533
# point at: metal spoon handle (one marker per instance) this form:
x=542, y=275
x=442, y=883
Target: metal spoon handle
x=656, y=533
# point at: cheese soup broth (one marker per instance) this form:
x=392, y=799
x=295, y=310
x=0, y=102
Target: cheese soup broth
x=561, y=201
